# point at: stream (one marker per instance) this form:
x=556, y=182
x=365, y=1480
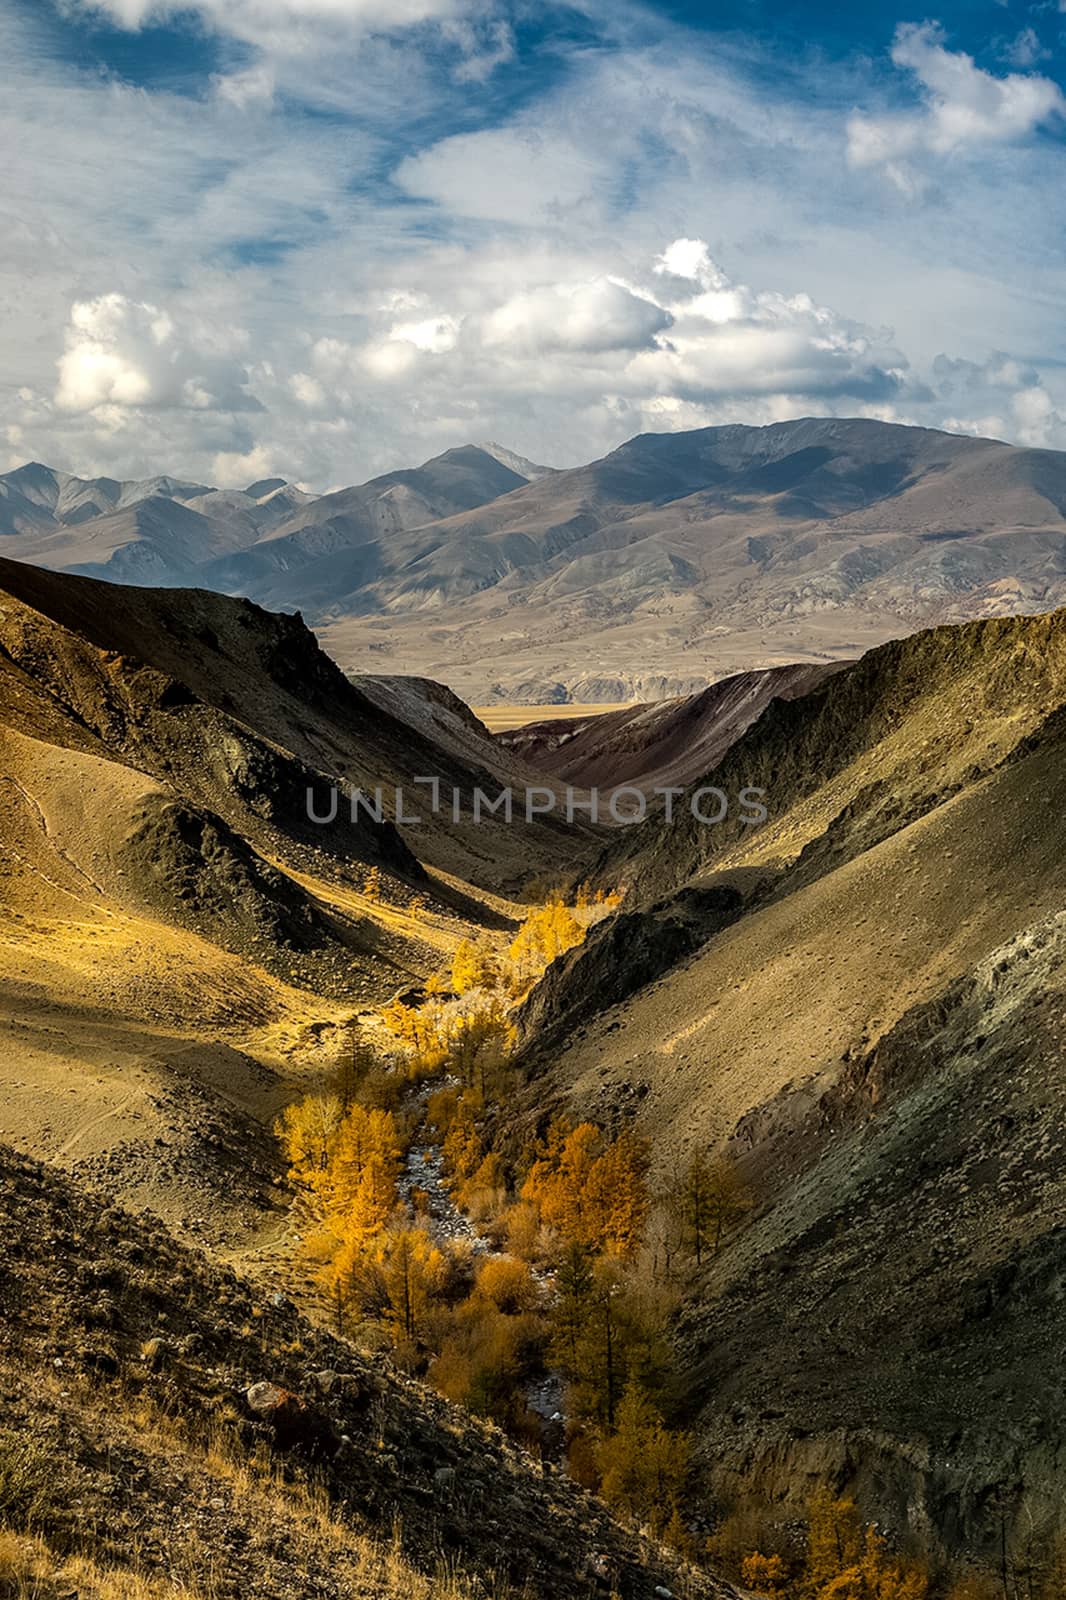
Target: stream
x=423, y=1169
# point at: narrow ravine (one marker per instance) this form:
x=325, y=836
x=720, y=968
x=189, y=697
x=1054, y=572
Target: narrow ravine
x=423, y=1170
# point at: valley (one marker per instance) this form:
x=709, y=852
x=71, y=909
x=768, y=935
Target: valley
x=706, y=1174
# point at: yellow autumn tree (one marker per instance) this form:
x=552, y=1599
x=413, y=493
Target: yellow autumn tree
x=616, y=1195
x=474, y=967
x=365, y=1135
x=425, y=1029
x=834, y=1539
x=591, y=1192
x=546, y=933
x=462, y=1147
x=308, y=1133
x=410, y=1268
x=766, y=1575
x=643, y=1464
x=557, y=1180
x=480, y=1041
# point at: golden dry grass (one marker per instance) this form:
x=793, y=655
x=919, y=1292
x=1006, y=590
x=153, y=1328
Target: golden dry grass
x=499, y=719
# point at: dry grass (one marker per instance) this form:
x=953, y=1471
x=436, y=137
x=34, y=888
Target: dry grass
x=43, y=1556
x=31, y=1570
x=499, y=719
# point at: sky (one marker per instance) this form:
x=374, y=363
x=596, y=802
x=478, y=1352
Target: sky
x=322, y=239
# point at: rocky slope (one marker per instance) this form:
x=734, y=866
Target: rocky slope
x=862, y=1002
x=162, y=1422
x=241, y=710
x=667, y=742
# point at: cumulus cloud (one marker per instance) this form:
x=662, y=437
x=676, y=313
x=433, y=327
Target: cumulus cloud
x=726, y=338
x=232, y=469
x=677, y=335
x=125, y=353
x=963, y=106
x=542, y=279
x=1017, y=404
x=597, y=316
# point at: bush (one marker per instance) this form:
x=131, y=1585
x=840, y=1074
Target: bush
x=509, y=1284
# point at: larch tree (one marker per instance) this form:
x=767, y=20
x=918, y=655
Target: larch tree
x=643, y=1463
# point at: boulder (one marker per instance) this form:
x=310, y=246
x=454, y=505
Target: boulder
x=296, y=1424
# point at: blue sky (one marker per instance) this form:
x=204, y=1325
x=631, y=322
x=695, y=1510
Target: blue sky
x=327, y=237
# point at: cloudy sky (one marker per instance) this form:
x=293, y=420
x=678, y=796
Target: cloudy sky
x=323, y=238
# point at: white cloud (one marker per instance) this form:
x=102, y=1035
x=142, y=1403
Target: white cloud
x=1036, y=422
x=1020, y=407
x=308, y=391
x=963, y=106
x=515, y=282
x=690, y=260
x=253, y=87
x=274, y=22
x=1025, y=50
x=233, y=470
x=518, y=174
x=597, y=316
x=483, y=49
x=125, y=353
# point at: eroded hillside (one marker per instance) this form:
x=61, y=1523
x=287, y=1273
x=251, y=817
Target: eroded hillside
x=179, y=942
x=860, y=1002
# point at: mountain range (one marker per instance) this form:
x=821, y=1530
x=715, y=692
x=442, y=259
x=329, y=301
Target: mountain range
x=676, y=560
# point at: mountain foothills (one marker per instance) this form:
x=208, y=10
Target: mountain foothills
x=453, y=1208
x=676, y=560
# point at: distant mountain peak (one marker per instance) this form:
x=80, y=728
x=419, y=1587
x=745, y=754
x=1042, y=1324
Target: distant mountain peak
x=264, y=486
x=509, y=458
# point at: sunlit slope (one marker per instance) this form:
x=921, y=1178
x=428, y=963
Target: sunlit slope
x=869, y=1022
x=787, y=991
x=879, y=743
x=180, y=948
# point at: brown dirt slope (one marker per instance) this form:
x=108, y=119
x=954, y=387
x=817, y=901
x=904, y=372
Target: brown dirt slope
x=247, y=709
x=862, y=1000
x=180, y=947
x=129, y=1439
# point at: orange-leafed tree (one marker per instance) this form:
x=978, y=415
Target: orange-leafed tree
x=308, y=1131
x=765, y=1574
x=616, y=1195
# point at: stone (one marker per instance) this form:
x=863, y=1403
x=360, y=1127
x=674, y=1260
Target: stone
x=295, y=1423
